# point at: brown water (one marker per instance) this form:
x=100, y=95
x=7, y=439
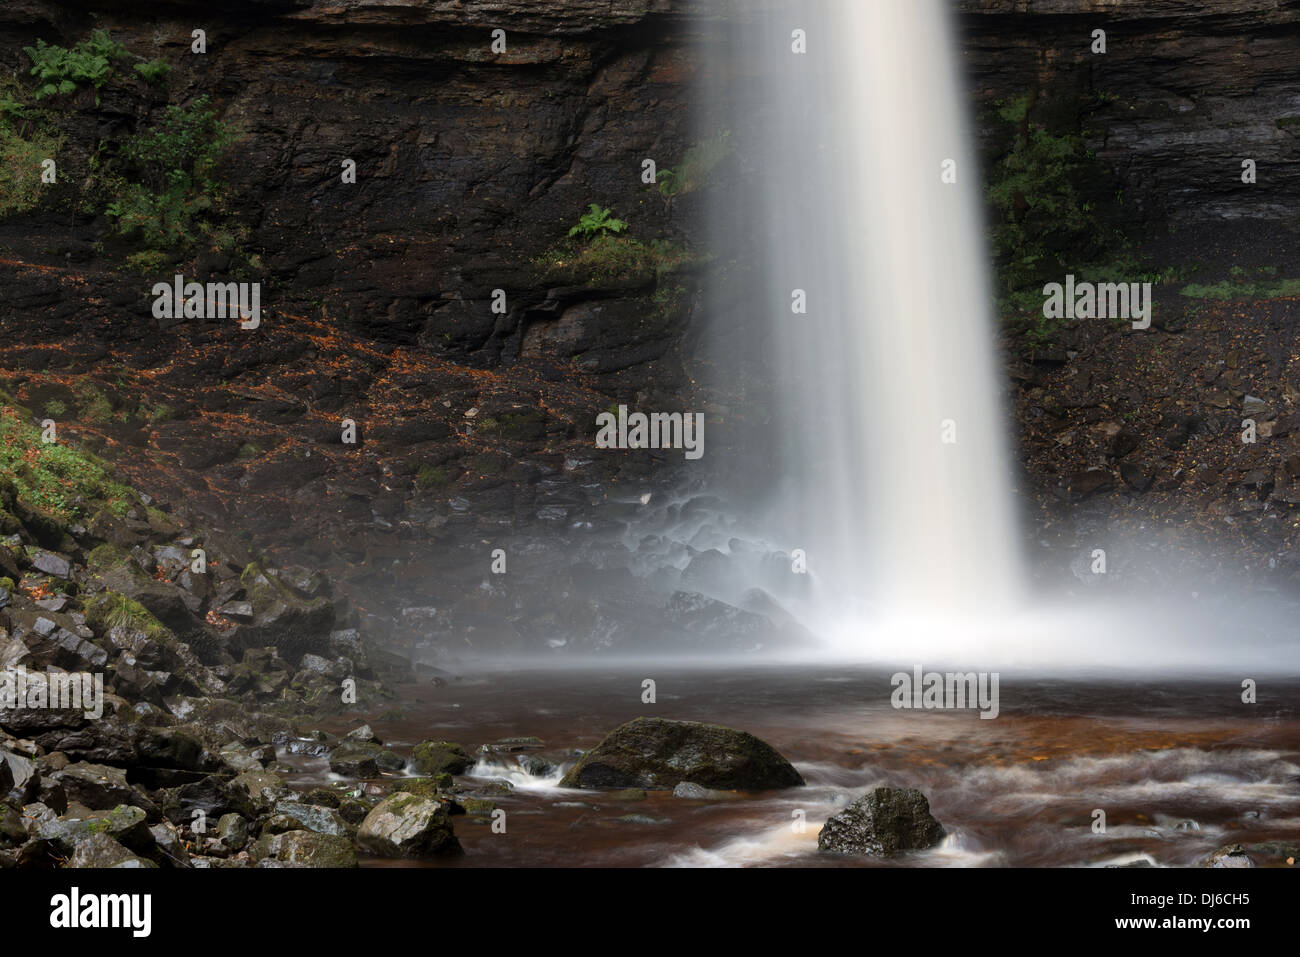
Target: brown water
x=1179, y=767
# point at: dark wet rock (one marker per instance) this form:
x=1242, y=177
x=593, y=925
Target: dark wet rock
x=100, y=787
x=324, y=797
x=213, y=795
x=170, y=847
x=355, y=759
x=295, y=624
x=311, y=817
x=406, y=825
x=101, y=851
x=232, y=831
x=535, y=766
x=441, y=757
x=13, y=831
x=126, y=825
x=884, y=822
x=305, y=849
x=262, y=788
x=656, y=753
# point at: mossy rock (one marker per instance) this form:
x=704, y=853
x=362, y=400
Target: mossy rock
x=658, y=754
x=441, y=757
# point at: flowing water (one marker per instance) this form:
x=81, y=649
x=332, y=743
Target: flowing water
x=1181, y=767
x=890, y=436
x=890, y=426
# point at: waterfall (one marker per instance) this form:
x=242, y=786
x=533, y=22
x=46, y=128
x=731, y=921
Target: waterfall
x=889, y=423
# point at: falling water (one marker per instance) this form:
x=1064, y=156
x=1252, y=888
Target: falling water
x=891, y=430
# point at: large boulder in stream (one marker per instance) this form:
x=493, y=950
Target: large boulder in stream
x=407, y=825
x=658, y=754
x=884, y=822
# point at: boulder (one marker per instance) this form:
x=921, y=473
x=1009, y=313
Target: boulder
x=356, y=759
x=406, y=825
x=99, y=787
x=441, y=757
x=101, y=851
x=884, y=822
x=659, y=754
x=305, y=849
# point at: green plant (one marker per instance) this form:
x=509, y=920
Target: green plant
x=1042, y=224
x=153, y=71
x=27, y=140
x=696, y=165
x=431, y=476
x=597, y=221
x=55, y=409
x=115, y=610
x=614, y=258
x=55, y=478
x=171, y=187
x=59, y=70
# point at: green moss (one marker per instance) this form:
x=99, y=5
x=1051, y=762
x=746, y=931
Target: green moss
x=61, y=480
x=437, y=757
x=115, y=610
x=613, y=259
x=420, y=787
x=697, y=164
x=431, y=476
x=1237, y=289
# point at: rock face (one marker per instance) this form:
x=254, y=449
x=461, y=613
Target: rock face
x=406, y=825
x=1187, y=89
x=659, y=754
x=886, y=822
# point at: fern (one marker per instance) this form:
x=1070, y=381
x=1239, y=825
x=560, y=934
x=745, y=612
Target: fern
x=597, y=221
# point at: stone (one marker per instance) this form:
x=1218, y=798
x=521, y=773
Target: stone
x=439, y=757
x=658, y=754
x=101, y=851
x=884, y=822
x=305, y=849
x=406, y=826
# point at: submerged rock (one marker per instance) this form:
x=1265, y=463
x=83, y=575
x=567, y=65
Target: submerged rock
x=406, y=825
x=885, y=822
x=659, y=754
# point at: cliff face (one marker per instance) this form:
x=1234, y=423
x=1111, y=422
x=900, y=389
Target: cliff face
x=1185, y=91
x=471, y=164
